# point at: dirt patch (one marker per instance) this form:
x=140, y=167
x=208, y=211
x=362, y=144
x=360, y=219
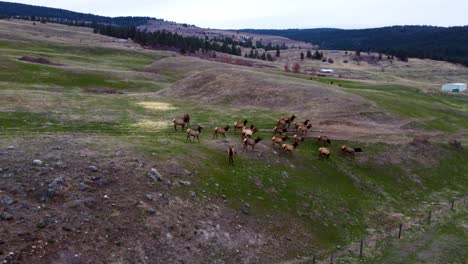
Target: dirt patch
x=102, y=91
x=38, y=60
x=160, y=106
x=150, y=124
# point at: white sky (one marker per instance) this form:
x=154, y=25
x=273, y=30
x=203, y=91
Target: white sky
x=235, y=14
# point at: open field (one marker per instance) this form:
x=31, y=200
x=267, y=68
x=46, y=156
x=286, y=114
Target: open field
x=109, y=104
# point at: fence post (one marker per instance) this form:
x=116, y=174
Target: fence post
x=360, y=248
x=399, y=231
x=453, y=205
x=430, y=216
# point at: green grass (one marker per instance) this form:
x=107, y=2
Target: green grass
x=434, y=112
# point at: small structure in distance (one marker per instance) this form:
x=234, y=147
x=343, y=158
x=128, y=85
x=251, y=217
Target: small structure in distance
x=454, y=87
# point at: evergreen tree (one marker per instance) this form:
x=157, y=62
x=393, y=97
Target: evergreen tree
x=278, y=53
x=302, y=55
x=309, y=54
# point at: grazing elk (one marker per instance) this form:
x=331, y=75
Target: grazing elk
x=349, y=150
x=323, y=140
x=289, y=148
x=220, y=130
x=251, y=142
x=231, y=153
x=298, y=138
x=181, y=121
x=279, y=140
x=194, y=134
x=285, y=121
x=240, y=125
x=299, y=124
x=279, y=130
x=324, y=153
x=302, y=130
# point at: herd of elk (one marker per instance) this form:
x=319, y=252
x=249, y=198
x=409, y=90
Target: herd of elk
x=282, y=127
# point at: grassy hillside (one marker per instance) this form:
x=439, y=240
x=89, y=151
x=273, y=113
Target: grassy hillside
x=127, y=95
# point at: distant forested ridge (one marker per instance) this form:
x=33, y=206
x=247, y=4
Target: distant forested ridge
x=8, y=9
x=438, y=43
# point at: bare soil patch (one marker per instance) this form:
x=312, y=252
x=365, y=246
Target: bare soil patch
x=38, y=60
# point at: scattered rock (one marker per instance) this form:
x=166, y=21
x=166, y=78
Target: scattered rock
x=246, y=205
x=186, y=183
x=93, y=168
x=284, y=174
x=193, y=194
x=149, y=197
x=154, y=175
x=11, y=147
x=6, y=216
x=38, y=163
x=56, y=187
x=67, y=228
x=84, y=187
x=7, y=201
x=151, y=211
x=42, y=224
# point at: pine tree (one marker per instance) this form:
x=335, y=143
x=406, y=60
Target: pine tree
x=309, y=54
x=302, y=55
x=278, y=53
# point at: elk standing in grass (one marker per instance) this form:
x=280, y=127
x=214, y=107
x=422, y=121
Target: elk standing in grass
x=323, y=140
x=231, y=153
x=194, y=134
x=349, y=150
x=289, y=148
x=299, y=124
x=279, y=140
x=285, y=121
x=304, y=129
x=324, y=153
x=181, y=121
x=298, y=138
x=251, y=142
x=248, y=132
x=240, y=125
x=279, y=130
x=220, y=130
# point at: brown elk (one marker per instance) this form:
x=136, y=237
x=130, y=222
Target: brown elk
x=302, y=130
x=251, y=142
x=289, y=148
x=279, y=140
x=323, y=140
x=299, y=124
x=194, y=134
x=181, y=121
x=285, y=121
x=298, y=138
x=324, y=153
x=349, y=150
x=240, y=125
x=248, y=132
x=220, y=130
x=231, y=153
x=279, y=130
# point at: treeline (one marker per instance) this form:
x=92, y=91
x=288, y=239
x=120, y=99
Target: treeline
x=41, y=13
x=161, y=39
x=425, y=42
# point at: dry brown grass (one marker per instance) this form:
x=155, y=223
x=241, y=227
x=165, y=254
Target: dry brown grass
x=160, y=106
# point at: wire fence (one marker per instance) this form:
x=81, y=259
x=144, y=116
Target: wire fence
x=366, y=247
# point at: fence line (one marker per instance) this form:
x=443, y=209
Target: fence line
x=363, y=247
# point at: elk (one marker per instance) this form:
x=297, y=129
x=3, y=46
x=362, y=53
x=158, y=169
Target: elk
x=299, y=124
x=231, y=153
x=323, y=140
x=279, y=130
x=181, y=121
x=240, y=125
x=285, y=121
x=194, y=134
x=298, y=138
x=279, y=140
x=220, y=130
x=349, y=150
x=324, y=153
x=251, y=142
x=289, y=147
x=304, y=129
x=248, y=132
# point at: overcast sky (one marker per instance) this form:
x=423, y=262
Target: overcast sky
x=235, y=14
